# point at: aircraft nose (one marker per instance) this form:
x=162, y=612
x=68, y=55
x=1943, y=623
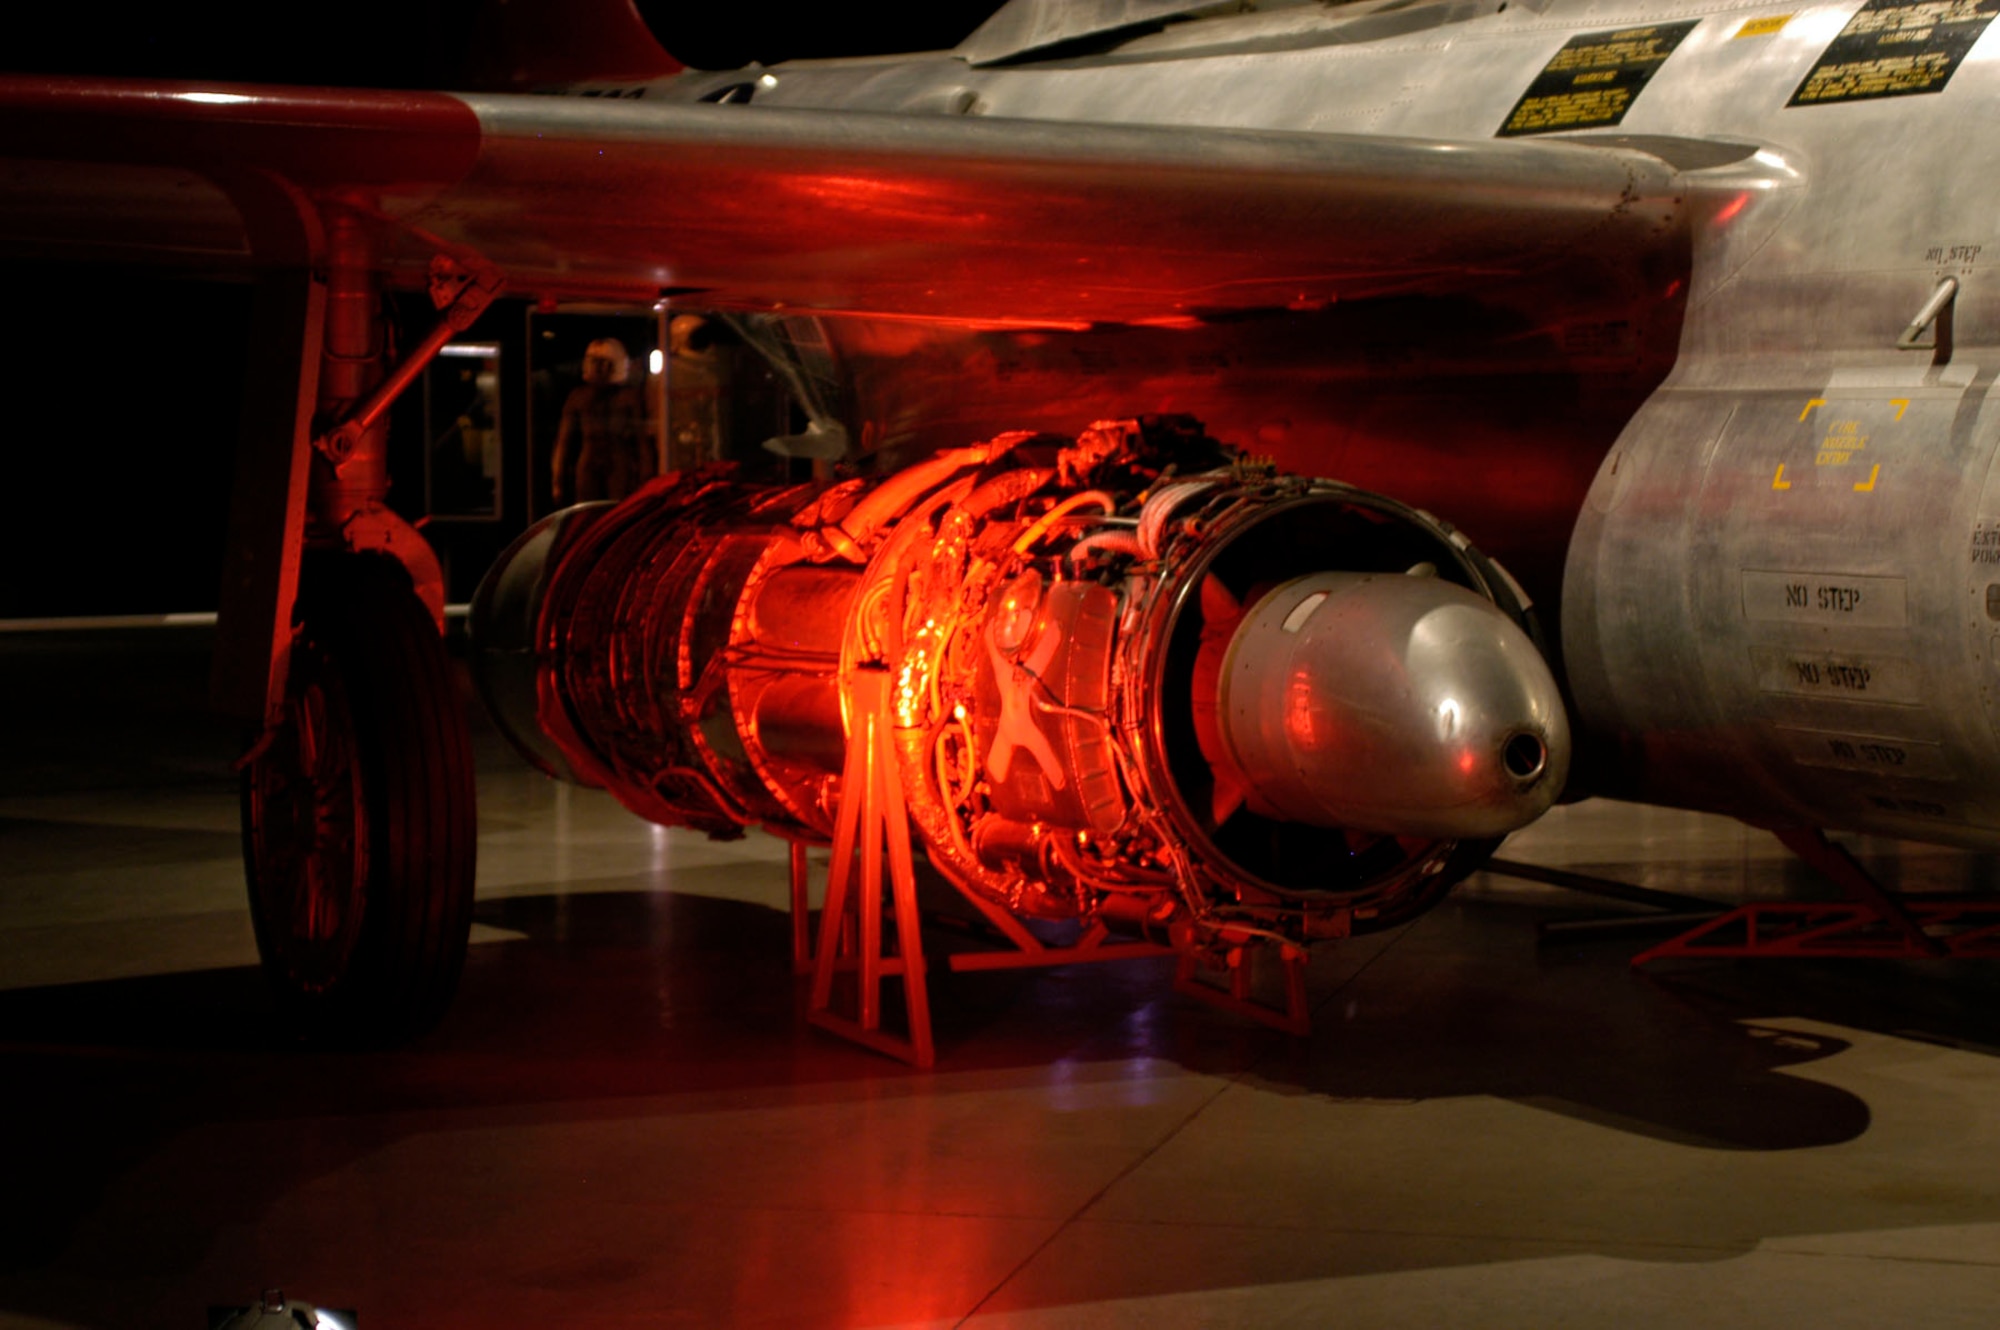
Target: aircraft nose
x=1392, y=703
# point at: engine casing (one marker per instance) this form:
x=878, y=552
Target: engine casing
x=1134, y=679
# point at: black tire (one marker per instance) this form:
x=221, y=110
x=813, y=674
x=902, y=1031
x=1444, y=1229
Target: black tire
x=359, y=826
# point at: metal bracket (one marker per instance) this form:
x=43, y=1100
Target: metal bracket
x=461, y=288
x=1936, y=310
x=824, y=438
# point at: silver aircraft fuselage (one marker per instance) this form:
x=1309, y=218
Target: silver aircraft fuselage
x=1770, y=536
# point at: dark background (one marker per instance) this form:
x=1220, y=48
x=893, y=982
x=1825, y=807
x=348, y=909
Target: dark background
x=120, y=388
x=428, y=43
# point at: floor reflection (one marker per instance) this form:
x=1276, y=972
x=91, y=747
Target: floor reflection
x=624, y=1115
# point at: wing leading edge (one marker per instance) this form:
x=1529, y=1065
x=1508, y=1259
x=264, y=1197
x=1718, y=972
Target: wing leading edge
x=955, y=218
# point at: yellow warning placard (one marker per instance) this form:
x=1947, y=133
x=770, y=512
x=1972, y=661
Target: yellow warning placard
x=1764, y=27
x=1594, y=78
x=1893, y=48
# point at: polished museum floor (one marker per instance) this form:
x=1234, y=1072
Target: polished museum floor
x=624, y=1122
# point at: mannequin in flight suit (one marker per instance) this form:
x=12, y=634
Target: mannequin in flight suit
x=602, y=448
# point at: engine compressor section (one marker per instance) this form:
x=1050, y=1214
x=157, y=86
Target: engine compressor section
x=1133, y=679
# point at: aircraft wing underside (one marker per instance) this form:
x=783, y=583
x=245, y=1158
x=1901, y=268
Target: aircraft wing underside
x=961, y=218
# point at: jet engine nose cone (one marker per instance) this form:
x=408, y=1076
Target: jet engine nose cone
x=1393, y=704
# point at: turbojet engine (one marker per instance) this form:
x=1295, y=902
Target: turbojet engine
x=1133, y=679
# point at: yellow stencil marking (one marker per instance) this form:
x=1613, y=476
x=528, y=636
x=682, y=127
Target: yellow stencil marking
x=1901, y=404
x=1778, y=482
x=1817, y=401
x=1763, y=27
x=1873, y=472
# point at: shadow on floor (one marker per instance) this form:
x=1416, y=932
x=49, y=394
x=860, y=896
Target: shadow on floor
x=689, y=1001
x=613, y=995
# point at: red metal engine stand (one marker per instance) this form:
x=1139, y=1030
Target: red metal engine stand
x=874, y=824
x=872, y=819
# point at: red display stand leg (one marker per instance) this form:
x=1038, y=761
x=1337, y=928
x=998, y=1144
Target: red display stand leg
x=1293, y=1018
x=1031, y=952
x=802, y=961
x=874, y=826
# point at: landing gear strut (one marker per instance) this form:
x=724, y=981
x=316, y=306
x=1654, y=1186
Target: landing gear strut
x=359, y=828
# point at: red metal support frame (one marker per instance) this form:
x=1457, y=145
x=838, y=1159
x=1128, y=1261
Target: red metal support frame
x=1030, y=951
x=1847, y=873
x=873, y=823
x=802, y=959
x=1295, y=1017
x=1870, y=923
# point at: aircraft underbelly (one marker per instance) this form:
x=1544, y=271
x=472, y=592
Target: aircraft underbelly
x=1505, y=433
x=1776, y=603
x=1783, y=598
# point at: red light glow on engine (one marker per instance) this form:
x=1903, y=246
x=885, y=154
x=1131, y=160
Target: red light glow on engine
x=1302, y=709
x=1048, y=643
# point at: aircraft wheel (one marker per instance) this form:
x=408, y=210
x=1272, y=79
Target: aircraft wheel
x=358, y=817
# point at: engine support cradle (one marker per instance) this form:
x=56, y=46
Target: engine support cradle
x=871, y=820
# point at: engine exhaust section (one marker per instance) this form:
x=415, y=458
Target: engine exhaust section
x=1135, y=680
